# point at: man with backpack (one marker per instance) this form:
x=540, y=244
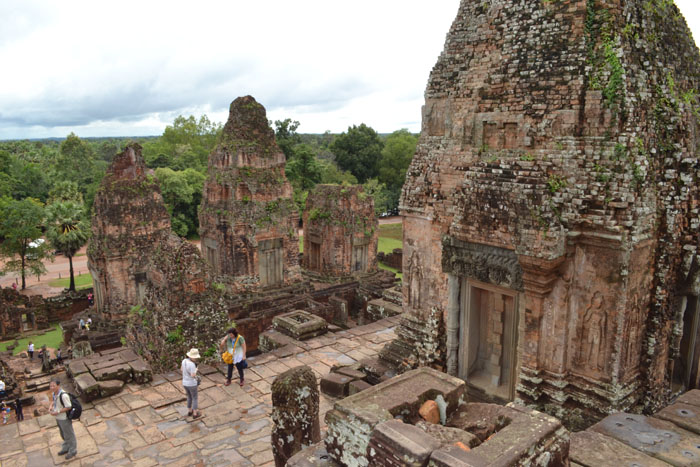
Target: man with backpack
x=61, y=408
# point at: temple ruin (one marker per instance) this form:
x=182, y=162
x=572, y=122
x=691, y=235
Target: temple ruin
x=551, y=209
x=340, y=231
x=128, y=221
x=248, y=221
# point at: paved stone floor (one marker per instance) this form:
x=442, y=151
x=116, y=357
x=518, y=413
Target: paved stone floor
x=146, y=425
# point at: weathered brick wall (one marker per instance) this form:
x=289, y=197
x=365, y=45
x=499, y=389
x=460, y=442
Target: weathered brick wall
x=567, y=133
x=339, y=222
x=247, y=200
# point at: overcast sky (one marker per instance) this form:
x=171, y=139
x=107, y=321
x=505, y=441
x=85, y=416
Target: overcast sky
x=128, y=68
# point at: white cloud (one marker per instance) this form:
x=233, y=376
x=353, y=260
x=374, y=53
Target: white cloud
x=127, y=68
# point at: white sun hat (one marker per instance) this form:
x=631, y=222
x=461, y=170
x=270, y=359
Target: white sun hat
x=193, y=353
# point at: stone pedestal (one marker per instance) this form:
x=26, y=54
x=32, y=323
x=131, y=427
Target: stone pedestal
x=295, y=402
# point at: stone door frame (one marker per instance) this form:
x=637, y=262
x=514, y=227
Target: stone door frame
x=465, y=313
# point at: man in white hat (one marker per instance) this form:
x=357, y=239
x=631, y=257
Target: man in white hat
x=189, y=381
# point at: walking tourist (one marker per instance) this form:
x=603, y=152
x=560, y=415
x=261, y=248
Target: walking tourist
x=60, y=406
x=3, y=391
x=190, y=381
x=30, y=350
x=234, y=343
x=18, y=409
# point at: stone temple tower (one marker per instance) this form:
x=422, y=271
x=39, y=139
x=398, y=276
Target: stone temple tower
x=129, y=222
x=248, y=221
x=551, y=209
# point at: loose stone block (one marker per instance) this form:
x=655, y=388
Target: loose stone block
x=295, y=402
x=351, y=372
x=110, y=387
x=357, y=386
x=429, y=412
x=122, y=372
x=335, y=385
x=394, y=443
x=87, y=386
x=313, y=456
x=75, y=368
x=141, y=371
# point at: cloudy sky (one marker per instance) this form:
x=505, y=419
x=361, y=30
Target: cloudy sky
x=130, y=67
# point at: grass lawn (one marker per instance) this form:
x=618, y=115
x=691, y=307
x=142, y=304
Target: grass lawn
x=301, y=243
x=53, y=338
x=83, y=281
x=394, y=231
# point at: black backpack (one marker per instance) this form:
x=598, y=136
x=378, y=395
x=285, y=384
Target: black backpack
x=76, y=409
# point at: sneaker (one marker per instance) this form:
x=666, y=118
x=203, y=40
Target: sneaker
x=227, y=383
x=62, y=452
x=71, y=455
x=241, y=383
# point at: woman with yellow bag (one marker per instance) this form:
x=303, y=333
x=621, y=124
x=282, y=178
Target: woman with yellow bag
x=235, y=354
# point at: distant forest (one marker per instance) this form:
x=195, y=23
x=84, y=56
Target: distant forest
x=47, y=187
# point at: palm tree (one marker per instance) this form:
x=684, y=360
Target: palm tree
x=67, y=230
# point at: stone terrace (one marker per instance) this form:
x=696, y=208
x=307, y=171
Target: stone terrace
x=146, y=425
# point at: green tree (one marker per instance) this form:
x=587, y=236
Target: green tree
x=182, y=193
x=75, y=161
x=67, y=230
x=184, y=144
x=398, y=151
x=381, y=195
x=303, y=170
x=330, y=173
x=20, y=225
x=65, y=191
x=286, y=136
x=358, y=151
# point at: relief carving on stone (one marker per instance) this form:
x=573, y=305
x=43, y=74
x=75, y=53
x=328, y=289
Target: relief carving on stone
x=415, y=279
x=555, y=310
x=592, y=347
x=633, y=333
x=485, y=263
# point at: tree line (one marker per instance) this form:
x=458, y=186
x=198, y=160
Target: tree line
x=47, y=187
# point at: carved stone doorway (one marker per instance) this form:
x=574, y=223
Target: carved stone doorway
x=271, y=261
x=314, y=256
x=359, y=258
x=686, y=367
x=488, y=340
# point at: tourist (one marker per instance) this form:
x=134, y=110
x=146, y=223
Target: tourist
x=59, y=357
x=30, y=350
x=60, y=406
x=3, y=392
x=82, y=323
x=235, y=344
x=89, y=322
x=18, y=409
x=5, y=412
x=190, y=382
x=90, y=300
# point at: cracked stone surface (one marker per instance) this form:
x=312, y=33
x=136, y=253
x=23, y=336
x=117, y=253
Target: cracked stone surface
x=147, y=425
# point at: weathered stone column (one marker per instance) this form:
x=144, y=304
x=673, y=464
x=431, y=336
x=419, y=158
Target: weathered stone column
x=295, y=403
x=452, y=323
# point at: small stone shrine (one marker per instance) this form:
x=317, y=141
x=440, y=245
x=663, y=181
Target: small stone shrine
x=551, y=209
x=340, y=231
x=248, y=221
x=300, y=324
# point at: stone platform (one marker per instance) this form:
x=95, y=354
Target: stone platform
x=145, y=425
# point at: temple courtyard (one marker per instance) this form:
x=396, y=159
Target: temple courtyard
x=147, y=425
